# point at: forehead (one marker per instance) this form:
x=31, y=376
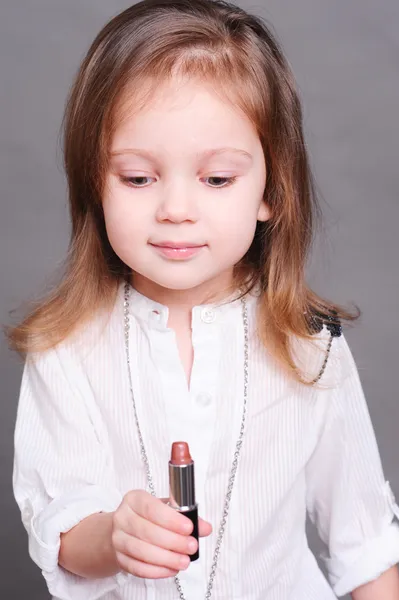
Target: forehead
x=181, y=107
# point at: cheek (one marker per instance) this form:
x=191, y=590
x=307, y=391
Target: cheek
x=123, y=222
x=237, y=216
x=235, y=230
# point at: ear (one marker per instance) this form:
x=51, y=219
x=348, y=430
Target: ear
x=264, y=212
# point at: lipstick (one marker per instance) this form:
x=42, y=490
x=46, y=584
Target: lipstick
x=182, y=486
x=177, y=251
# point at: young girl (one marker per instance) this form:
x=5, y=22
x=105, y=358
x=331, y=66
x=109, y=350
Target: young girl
x=184, y=315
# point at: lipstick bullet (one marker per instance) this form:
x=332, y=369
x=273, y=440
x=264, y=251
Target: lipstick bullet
x=182, y=486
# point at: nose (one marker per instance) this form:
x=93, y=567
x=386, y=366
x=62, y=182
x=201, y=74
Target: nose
x=177, y=204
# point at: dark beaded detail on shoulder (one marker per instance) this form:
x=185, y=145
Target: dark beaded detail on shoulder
x=316, y=322
x=333, y=324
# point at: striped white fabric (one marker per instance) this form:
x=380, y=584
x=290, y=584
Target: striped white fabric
x=305, y=449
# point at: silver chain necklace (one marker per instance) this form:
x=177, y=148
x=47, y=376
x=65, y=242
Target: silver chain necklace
x=237, y=451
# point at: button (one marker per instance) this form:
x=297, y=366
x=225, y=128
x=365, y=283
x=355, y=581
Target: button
x=204, y=399
x=27, y=512
x=155, y=315
x=208, y=315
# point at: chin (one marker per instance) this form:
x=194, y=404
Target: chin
x=176, y=281
x=179, y=284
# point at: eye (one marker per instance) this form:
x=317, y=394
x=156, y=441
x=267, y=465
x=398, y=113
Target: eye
x=137, y=182
x=220, y=182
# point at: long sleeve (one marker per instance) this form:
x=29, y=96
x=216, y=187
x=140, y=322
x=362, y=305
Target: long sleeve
x=348, y=498
x=61, y=474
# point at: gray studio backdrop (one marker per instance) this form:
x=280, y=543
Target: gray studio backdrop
x=346, y=59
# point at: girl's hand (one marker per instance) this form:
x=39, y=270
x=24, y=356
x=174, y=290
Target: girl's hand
x=151, y=539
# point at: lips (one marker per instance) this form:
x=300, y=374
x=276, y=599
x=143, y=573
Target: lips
x=177, y=245
x=177, y=250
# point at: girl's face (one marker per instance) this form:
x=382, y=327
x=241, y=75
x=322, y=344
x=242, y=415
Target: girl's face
x=184, y=190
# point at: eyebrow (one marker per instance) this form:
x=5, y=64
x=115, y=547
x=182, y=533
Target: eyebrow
x=206, y=154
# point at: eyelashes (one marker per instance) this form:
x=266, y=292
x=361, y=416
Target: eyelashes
x=135, y=181
x=142, y=181
x=228, y=181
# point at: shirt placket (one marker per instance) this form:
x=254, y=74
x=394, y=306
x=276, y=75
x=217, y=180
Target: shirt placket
x=196, y=425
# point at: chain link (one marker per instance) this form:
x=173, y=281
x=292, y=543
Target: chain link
x=238, y=447
x=324, y=365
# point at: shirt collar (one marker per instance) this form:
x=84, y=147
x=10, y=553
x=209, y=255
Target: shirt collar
x=156, y=314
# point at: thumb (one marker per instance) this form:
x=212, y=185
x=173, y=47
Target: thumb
x=204, y=528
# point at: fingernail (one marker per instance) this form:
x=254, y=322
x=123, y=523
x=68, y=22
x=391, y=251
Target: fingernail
x=188, y=527
x=192, y=546
x=184, y=562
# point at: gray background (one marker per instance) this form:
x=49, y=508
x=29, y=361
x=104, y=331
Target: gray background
x=345, y=56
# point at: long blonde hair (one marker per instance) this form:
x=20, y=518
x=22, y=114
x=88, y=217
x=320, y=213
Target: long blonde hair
x=236, y=52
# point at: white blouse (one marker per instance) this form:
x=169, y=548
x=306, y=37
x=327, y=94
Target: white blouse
x=306, y=449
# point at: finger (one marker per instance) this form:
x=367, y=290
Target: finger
x=159, y=536
x=154, y=510
x=152, y=555
x=204, y=528
x=140, y=569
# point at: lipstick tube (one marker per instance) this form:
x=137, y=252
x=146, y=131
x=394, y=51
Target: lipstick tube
x=182, y=486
